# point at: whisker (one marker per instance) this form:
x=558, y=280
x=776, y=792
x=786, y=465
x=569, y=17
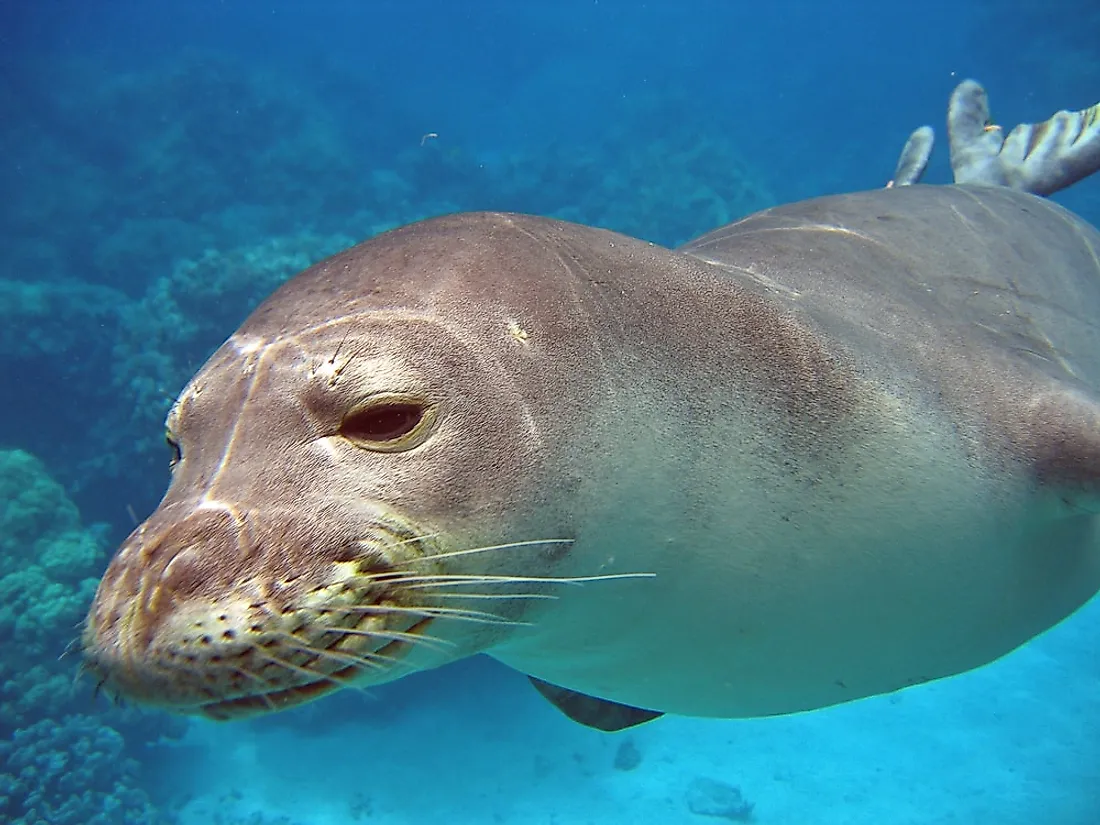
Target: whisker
x=499, y=596
x=395, y=635
x=412, y=540
x=415, y=539
x=334, y=655
x=419, y=581
x=490, y=547
x=477, y=616
x=340, y=346
x=266, y=685
x=314, y=676
x=69, y=648
x=376, y=660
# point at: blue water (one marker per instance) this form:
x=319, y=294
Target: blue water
x=164, y=165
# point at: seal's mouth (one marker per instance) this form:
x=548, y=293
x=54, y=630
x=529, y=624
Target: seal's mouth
x=324, y=683
x=264, y=644
x=394, y=602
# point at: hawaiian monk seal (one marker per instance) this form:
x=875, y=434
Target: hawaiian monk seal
x=834, y=449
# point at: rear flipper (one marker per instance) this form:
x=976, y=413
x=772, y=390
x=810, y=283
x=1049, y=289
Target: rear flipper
x=914, y=158
x=1039, y=158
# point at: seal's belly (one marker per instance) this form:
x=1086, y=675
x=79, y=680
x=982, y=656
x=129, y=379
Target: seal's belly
x=780, y=593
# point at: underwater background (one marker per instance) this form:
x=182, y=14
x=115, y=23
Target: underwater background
x=164, y=165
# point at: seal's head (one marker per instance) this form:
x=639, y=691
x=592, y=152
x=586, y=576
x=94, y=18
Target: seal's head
x=358, y=472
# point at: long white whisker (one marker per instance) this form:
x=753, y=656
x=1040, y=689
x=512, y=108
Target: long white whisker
x=498, y=596
x=441, y=579
x=394, y=635
x=367, y=542
x=353, y=659
x=314, y=676
x=490, y=547
x=268, y=687
x=476, y=616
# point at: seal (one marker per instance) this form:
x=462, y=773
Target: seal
x=834, y=449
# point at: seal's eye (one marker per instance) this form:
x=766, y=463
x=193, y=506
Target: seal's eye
x=383, y=422
x=388, y=424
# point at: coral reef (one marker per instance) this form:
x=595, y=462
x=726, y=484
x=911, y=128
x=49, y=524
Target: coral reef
x=150, y=211
x=132, y=170
x=167, y=334
x=57, y=763
x=167, y=203
x=147, y=210
x=72, y=771
x=48, y=564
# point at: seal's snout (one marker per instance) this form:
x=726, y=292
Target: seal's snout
x=135, y=640
x=198, y=615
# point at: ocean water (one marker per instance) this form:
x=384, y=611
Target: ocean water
x=163, y=166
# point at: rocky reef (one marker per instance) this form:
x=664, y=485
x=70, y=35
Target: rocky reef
x=64, y=758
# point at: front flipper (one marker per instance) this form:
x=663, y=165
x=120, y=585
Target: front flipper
x=595, y=713
x=1040, y=158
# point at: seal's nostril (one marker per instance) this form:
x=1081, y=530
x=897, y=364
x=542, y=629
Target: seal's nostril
x=182, y=575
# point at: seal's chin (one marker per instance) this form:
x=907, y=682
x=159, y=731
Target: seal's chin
x=244, y=707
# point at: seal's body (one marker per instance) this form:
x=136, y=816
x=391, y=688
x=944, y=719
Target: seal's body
x=837, y=448
x=862, y=456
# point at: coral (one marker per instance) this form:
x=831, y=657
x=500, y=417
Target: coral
x=155, y=208
x=128, y=171
x=72, y=771
x=670, y=189
x=58, y=765
x=51, y=318
x=48, y=561
x=34, y=509
x=167, y=334
x=55, y=340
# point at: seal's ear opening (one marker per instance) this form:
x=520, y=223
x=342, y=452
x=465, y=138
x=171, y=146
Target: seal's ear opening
x=388, y=422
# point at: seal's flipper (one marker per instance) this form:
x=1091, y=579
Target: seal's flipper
x=595, y=713
x=1040, y=158
x=974, y=141
x=914, y=158
x=1055, y=154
